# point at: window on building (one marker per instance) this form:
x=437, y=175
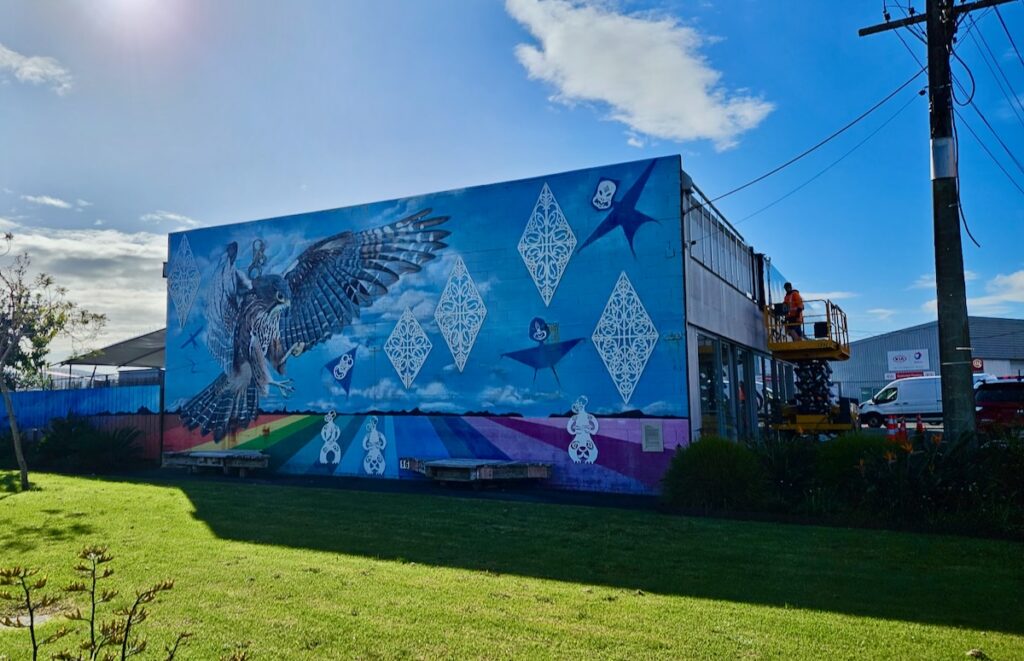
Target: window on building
x=707, y=382
x=727, y=402
x=715, y=245
x=745, y=394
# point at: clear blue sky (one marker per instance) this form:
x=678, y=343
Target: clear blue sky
x=121, y=120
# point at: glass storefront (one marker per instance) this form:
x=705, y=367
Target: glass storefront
x=732, y=388
x=708, y=382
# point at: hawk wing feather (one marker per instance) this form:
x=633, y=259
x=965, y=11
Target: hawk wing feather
x=222, y=310
x=335, y=277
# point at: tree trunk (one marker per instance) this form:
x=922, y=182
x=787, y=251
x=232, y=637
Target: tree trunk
x=15, y=434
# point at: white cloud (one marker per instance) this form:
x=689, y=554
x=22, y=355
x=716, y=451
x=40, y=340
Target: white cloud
x=321, y=405
x=649, y=71
x=1004, y=293
x=177, y=220
x=421, y=303
x=106, y=271
x=98, y=222
x=35, y=69
x=433, y=390
x=83, y=203
x=828, y=295
x=660, y=407
x=881, y=314
x=385, y=390
x=46, y=200
x=507, y=395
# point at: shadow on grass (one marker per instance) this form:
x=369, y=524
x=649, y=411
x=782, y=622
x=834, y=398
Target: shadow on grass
x=955, y=581
x=22, y=539
x=10, y=482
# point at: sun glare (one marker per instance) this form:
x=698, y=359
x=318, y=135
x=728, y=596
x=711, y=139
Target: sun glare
x=136, y=19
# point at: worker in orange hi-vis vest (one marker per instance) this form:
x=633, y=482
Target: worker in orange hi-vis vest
x=794, y=313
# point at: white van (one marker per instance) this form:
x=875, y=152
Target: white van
x=910, y=397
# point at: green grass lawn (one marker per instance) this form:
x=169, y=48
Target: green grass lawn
x=307, y=573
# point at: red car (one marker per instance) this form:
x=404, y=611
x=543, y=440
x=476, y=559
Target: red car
x=999, y=405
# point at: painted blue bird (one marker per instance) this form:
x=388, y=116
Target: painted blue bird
x=624, y=214
x=255, y=323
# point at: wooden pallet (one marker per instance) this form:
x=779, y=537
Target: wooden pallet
x=241, y=461
x=475, y=470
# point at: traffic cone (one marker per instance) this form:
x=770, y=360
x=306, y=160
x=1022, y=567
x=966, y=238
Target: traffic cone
x=903, y=429
x=890, y=426
x=920, y=425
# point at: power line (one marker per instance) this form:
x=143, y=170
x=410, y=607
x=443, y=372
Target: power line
x=970, y=74
x=959, y=197
x=967, y=126
x=909, y=49
x=974, y=23
x=963, y=120
x=1011, y=95
x=822, y=142
x=956, y=143
x=1009, y=36
x=996, y=134
x=835, y=162
x=820, y=172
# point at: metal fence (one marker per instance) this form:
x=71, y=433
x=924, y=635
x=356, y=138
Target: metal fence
x=107, y=408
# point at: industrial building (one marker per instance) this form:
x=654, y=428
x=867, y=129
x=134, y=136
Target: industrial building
x=997, y=347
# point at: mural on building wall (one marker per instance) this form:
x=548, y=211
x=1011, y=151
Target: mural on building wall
x=469, y=312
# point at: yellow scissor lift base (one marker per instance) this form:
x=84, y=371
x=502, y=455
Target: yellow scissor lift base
x=813, y=423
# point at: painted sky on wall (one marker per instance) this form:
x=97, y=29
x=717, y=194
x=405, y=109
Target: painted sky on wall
x=535, y=349
x=125, y=120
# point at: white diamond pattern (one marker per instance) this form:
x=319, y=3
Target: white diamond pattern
x=547, y=244
x=625, y=337
x=460, y=313
x=183, y=281
x=407, y=347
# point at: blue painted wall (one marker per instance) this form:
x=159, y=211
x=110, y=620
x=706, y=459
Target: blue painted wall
x=522, y=298
x=486, y=225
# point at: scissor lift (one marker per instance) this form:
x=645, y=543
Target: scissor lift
x=810, y=355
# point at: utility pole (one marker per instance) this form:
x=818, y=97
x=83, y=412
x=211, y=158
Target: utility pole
x=941, y=17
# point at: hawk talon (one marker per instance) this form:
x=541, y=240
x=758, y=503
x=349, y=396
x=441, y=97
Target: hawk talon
x=297, y=348
x=284, y=386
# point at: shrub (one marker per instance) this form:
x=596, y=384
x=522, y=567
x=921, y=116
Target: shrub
x=959, y=485
x=790, y=466
x=713, y=473
x=73, y=445
x=843, y=462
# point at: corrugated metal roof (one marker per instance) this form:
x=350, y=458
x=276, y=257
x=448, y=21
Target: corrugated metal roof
x=991, y=337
